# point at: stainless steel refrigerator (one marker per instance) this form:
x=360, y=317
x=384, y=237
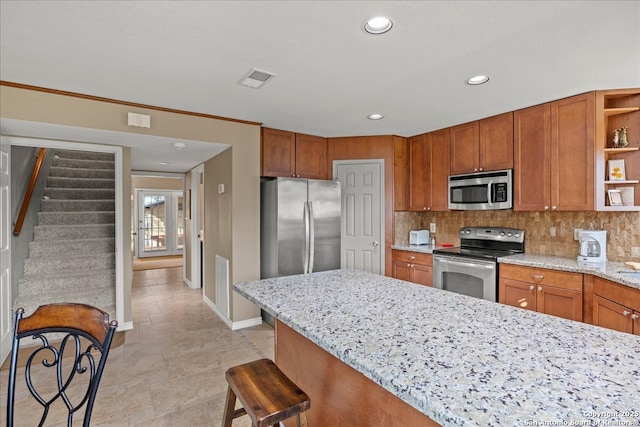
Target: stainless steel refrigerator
x=300, y=226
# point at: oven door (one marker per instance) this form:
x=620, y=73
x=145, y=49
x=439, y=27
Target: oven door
x=468, y=276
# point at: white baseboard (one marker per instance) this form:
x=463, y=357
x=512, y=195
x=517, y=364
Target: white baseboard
x=234, y=326
x=125, y=326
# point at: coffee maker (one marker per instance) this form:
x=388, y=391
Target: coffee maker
x=593, y=248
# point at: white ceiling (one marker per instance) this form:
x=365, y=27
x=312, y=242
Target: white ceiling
x=190, y=55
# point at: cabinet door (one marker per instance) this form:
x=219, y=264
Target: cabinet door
x=531, y=158
x=517, y=294
x=419, y=173
x=560, y=302
x=611, y=315
x=402, y=270
x=496, y=142
x=572, y=153
x=311, y=157
x=422, y=274
x=465, y=148
x=439, y=170
x=278, y=153
x=400, y=173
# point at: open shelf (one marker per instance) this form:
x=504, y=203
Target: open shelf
x=626, y=181
x=621, y=150
x=615, y=111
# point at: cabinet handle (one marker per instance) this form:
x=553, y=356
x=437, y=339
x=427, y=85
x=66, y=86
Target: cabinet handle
x=531, y=287
x=481, y=169
x=553, y=208
x=424, y=208
x=411, y=265
x=412, y=258
x=537, y=277
x=475, y=170
x=539, y=288
x=626, y=313
x=634, y=316
x=546, y=208
x=408, y=265
x=428, y=208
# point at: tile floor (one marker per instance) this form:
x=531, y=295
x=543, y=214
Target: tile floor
x=170, y=370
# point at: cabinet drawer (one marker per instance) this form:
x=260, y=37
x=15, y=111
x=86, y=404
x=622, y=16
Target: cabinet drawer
x=412, y=257
x=542, y=276
x=620, y=294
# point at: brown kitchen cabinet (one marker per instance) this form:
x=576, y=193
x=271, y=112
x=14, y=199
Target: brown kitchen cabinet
x=400, y=174
x=616, y=306
x=429, y=171
x=413, y=267
x=289, y=154
x=557, y=293
x=482, y=145
x=554, y=148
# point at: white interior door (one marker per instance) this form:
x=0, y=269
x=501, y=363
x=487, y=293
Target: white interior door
x=362, y=236
x=160, y=223
x=6, y=301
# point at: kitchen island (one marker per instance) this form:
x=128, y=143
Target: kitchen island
x=457, y=360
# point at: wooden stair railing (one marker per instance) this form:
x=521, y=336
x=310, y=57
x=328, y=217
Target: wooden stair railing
x=27, y=195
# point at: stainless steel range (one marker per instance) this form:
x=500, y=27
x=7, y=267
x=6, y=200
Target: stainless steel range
x=472, y=268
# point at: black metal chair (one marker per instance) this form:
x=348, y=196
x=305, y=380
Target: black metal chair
x=77, y=326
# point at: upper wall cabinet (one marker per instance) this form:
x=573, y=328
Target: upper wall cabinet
x=554, y=149
x=428, y=171
x=483, y=145
x=288, y=154
x=618, y=110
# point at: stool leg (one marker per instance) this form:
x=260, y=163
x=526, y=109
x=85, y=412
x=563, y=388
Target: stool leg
x=229, y=407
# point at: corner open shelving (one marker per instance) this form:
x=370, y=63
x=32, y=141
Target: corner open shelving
x=616, y=109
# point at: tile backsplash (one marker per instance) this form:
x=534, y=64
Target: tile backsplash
x=547, y=233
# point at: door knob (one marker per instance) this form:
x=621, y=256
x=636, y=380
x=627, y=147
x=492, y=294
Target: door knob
x=376, y=243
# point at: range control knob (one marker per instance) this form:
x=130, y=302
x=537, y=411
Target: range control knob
x=502, y=233
x=517, y=235
x=509, y=234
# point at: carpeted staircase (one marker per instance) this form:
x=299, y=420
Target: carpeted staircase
x=72, y=255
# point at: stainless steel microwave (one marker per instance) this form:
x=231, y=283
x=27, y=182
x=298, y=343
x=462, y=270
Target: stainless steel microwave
x=481, y=191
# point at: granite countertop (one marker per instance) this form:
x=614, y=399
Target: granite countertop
x=461, y=361
x=615, y=271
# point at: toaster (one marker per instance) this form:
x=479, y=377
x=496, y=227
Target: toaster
x=418, y=237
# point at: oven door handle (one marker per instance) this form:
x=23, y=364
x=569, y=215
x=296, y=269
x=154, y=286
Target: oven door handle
x=466, y=264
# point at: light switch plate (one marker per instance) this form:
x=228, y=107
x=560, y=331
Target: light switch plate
x=432, y=227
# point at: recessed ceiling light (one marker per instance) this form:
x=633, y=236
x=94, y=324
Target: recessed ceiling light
x=164, y=163
x=378, y=25
x=477, y=80
x=375, y=116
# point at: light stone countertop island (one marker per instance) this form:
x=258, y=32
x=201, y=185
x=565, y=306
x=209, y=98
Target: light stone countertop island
x=459, y=360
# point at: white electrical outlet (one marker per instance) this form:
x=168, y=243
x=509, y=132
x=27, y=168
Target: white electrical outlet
x=432, y=227
x=576, y=233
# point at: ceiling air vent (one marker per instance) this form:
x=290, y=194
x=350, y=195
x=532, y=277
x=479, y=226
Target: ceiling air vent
x=256, y=78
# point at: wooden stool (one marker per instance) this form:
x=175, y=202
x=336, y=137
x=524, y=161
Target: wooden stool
x=266, y=394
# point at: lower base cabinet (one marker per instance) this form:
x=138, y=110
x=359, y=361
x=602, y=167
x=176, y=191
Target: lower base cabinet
x=557, y=293
x=615, y=306
x=413, y=267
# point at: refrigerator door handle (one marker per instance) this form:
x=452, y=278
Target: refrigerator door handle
x=306, y=237
x=312, y=237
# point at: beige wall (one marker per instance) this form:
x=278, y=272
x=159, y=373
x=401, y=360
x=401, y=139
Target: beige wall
x=623, y=229
x=36, y=106
x=155, y=183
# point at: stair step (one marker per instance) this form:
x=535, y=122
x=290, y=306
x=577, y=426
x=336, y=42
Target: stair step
x=55, y=171
x=83, y=164
x=68, y=264
x=75, y=218
x=80, y=193
x=42, y=248
x=79, y=281
x=67, y=232
x=55, y=205
x=66, y=182
x=90, y=155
